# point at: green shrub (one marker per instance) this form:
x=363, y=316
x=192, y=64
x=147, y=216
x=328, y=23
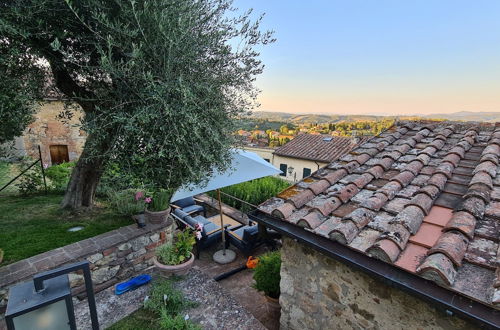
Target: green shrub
x=267, y=274
x=179, y=251
x=31, y=182
x=164, y=297
x=253, y=192
x=125, y=203
x=169, y=303
x=59, y=175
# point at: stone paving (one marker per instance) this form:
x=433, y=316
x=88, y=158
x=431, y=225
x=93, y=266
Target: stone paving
x=231, y=303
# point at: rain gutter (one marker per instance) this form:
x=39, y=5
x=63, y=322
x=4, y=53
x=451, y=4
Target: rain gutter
x=448, y=301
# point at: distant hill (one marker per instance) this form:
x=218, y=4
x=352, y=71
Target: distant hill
x=322, y=118
x=310, y=118
x=468, y=116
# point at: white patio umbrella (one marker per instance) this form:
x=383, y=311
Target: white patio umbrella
x=245, y=166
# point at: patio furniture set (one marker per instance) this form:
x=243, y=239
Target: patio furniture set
x=188, y=214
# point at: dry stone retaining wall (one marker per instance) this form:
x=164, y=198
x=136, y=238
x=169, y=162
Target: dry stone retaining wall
x=318, y=292
x=113, y=257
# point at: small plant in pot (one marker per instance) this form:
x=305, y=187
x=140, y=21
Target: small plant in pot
x=267, y=277
x=176, y=258
x=158, y=206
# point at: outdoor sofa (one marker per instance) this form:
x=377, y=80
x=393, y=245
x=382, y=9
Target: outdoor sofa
x=210, y=234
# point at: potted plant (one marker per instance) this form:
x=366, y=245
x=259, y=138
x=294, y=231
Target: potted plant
x=176, y=257
x=267, y=277
x=158, y=206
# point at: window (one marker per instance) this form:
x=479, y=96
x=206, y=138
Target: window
x=306, y=172
x=283, y=168
x=267, y=160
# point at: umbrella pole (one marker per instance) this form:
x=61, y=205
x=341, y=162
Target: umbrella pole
x=223, y=256
x=222, y=222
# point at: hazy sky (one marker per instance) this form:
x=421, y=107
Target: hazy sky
x=380, y=57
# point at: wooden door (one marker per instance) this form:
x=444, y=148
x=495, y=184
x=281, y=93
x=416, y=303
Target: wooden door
x=59, y=154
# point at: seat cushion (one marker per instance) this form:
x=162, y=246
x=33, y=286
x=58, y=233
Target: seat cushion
x=250, y=233
x=201, y=219
x=246, y=233
x=209, y=227
x=190, y=221
x=180, y=213
x=185, y=202
x=193, y=208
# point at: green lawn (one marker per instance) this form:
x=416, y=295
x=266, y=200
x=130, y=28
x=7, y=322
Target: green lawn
x=36, y=224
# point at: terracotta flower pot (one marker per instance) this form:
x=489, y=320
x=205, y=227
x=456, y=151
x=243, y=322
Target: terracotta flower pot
x=273, y=304
x=169, y=270
x=157, y=217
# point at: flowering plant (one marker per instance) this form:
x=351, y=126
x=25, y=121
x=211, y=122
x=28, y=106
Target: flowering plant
x=178, y=251
x=198, y=229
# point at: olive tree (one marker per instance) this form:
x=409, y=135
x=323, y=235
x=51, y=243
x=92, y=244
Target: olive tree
x=159, y=81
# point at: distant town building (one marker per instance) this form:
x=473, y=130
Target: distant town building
x=305, y=153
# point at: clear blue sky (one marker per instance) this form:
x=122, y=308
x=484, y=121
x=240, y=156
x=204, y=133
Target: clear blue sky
x=377, y=56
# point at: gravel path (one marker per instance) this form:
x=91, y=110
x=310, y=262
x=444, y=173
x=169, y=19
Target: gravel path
x=216, y=309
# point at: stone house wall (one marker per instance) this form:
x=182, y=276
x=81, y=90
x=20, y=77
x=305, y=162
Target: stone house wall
x=318, y=292
x=47, y=130
x=114, y=256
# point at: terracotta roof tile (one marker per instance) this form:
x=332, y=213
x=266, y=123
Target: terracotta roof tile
x=398, y=234
x=427, y=235
x=431, y=191
x=360, y=216
x=344, y=232
x=319, y=186
x=474, y=205
x=284, y=211
x=439, y=216
x=423, y=201
x=479, y=190
x=411, y=257
x=327, y=226
x=452, y=244
x=385, y=250
x=404, y=178
x=335, y=176
x=483, y=252
x=438, y=268
x=423, y=197
x=322, y=148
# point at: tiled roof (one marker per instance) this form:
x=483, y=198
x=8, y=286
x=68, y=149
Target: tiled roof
x=322, y=148
x=424, y=197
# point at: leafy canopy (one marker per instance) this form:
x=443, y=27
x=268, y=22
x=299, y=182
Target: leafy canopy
x=160, y=81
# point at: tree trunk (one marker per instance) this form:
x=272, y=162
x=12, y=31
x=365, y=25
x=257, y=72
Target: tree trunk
x=83, y=183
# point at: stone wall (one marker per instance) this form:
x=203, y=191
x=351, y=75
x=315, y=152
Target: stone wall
x=47, y=130
x=113, y=256
x=318, y=292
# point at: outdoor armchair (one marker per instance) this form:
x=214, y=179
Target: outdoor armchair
x=189, y=206
x=244, y=238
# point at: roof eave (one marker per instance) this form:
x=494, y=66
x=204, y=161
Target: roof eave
x=305, y=158
x=444, y=299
